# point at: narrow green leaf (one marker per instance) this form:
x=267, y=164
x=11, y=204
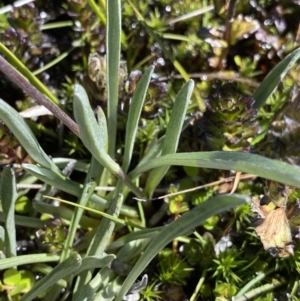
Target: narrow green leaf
x=182, y=225
x=24, y=135
x=128, y=253
x=92, y=136
x=25, y=221
x=101, y=238
x=101, y=118
x=172, y=134
x=79, y=166
x=153, y=151
x=95, y=262
x=16, y=63
x=8, y=191
x=155, y=148
x=2, y=238
x=106, y=228
x=110, y=291
x=134, y=114
x=94, y=140
x=275, y=76
x=239, y=161
x=62, y=270
x=64, y=213
x=91, y=180
x=45, y=269
x=27, y=259
x=62, y=183
x=141, y=234
x=254, y=282
x=87, y=292
x=113, y=50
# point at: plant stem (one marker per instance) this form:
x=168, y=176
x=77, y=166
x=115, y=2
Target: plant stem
x=22, y=83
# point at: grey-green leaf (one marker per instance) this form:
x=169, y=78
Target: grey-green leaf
x=24, y=135
x=62, y=270
x=92, y=136
x=8, y=192
x=27, y=259
x=69, y=186
x=113, y=50
x=172, y=134
x=275, y=76
x=95, y=262
x=179, y=227
x=249, y=163
x=134, y=114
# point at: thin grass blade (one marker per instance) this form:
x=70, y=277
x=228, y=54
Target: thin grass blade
x=134, y=114
x=69, y=186
x=238, y=161
x=172, y=134
x=25, y=136
x=274, y=77
x=113, y=50
x=8, y=192
x=101, y=239
x=89, y=186
x=93, y=137
x=8, y=263
x=95, y=262
x=25, y=221
x=14, y=61
x=182, y=225
x=62, y=270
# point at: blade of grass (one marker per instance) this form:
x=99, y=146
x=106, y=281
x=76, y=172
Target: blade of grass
x=180, y=226
x=274, y=77
x=69, y=186
x=144, y=233
x=45, y=269
x=110, y=291
x=172, y=134
x=113, y=50
x=103, y=214
x=25, y=221
x=88, y=291
x=101, y=119
x=105, y=228
x=97, y=11
x=23, y=133
x=8, y=191
x=134, y=114
x=95, y=262
x=62, y=270
x=157, y=38
x=101, y=16
x=8, y=263
x=54, y=62
x=27, y=73
x=191, y=14
x=101, y=239
x=54, y=25
x=253, y=282
x=27, y=87
x=238, y=161
x=91, y=134
x=64, y=213
x=91, y=181
x=2, y=241
x=93, y=137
